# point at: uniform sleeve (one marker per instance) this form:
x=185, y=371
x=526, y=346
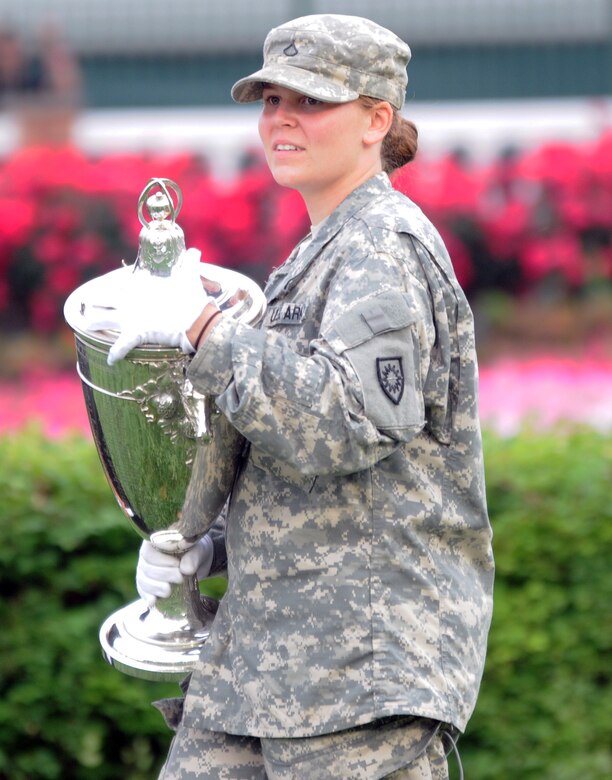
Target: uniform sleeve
x=347, y=404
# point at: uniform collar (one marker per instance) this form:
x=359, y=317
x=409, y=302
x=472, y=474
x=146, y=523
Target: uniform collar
x=296, y=265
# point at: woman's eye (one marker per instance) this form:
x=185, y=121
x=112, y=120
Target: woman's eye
x=310, y=101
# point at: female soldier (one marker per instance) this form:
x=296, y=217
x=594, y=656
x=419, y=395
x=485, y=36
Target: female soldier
x=351, y=640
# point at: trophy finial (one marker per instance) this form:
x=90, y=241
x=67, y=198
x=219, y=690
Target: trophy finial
x=159, y=207
x=161, y=241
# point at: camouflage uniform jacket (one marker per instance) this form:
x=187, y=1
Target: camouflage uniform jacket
x=358, y=543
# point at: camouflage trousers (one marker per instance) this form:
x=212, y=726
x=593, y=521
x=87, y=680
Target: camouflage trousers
x=401, y=748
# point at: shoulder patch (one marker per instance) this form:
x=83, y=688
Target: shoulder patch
x=390, y=372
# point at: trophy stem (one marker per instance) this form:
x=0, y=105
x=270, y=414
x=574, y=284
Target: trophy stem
x=186, y=603
x=162, y=642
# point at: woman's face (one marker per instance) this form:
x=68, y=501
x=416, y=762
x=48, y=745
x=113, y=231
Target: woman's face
x=319, y=149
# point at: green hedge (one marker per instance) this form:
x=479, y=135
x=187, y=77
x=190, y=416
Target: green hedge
x=67, y=560
x=545, y=709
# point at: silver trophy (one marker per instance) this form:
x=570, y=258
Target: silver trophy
x=169, y=455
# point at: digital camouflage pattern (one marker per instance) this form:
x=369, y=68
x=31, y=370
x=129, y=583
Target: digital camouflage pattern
x=403, y=748
x=331, y=57
x=358, y=543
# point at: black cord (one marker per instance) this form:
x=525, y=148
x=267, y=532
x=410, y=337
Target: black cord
x=453, y=749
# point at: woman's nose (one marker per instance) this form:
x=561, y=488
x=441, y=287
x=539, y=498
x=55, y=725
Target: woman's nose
x=285, y=115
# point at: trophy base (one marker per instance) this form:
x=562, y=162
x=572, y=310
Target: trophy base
x=142, y=642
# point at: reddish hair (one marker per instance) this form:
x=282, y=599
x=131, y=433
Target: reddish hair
x=400, y=145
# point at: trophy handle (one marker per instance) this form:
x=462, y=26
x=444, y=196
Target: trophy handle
x=185, y=600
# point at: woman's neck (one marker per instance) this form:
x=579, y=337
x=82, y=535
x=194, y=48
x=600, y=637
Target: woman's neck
x=320, y=204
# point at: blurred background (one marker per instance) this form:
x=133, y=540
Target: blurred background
x=513, y=101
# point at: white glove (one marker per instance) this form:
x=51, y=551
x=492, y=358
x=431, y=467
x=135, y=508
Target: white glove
x=160, y=309
x=101, y=318
x=157, y=571
x=102, y=311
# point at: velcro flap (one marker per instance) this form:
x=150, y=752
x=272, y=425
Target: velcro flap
x=386, y=312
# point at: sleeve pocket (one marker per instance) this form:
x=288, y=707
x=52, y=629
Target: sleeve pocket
x=380, y=339
x=291, y=376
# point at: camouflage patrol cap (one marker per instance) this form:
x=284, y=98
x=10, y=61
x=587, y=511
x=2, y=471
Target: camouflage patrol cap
x=331, y=57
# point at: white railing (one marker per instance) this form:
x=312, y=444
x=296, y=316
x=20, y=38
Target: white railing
x=482, y=128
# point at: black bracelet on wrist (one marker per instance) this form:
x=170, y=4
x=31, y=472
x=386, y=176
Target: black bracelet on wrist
x=206, y=324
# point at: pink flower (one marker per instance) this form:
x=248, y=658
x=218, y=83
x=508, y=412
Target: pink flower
x=539, y=392
x=546, y=391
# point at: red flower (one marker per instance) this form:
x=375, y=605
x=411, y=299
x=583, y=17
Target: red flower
x=67, y=217
x=62, y=279
x=87, y=250
x=559, y=253
x=52, y=249
x=44, y=311
x=18, y=218
x=35, y=169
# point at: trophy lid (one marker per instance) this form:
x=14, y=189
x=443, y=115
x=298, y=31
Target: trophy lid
x=235, y=294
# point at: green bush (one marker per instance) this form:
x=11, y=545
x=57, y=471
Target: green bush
x=67, y=560
x=545, y=709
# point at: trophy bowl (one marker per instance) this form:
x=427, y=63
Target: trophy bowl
x=170, y=458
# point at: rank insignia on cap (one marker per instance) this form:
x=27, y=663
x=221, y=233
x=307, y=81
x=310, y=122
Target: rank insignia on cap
x=291, y=50
x=391, y=377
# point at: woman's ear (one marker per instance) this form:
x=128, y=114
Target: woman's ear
x=381, y=118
